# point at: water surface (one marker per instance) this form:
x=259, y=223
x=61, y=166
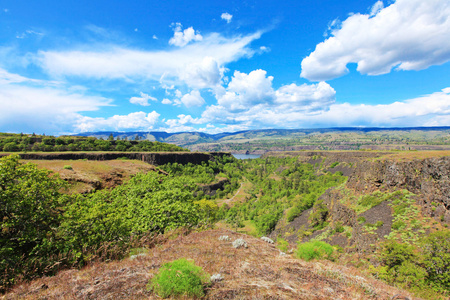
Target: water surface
x=246, y=156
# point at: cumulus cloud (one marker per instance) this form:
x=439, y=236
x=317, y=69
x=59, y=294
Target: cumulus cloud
x=206, y=73
x=428, y=110
x=407, y=35
x=135, y=121
x=250, y=101
x=183, y=37
x=143, y=100
x=166, y=101
x=307, y=98
x=227, y=17
x=199, y=63
x=192, y=99
x=247, y=90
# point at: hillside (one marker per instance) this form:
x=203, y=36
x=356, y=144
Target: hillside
x=384, y=213
x=261, y=141
x=257, y=272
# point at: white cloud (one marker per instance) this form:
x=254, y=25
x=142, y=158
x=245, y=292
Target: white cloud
x=429, y=110
x=208, y=55
x=154, y=37
x=407, y=35
x=246, y=90
x=133, y=121
x=183, y=37
x=376, y=8
x=307, y=98
x=143, y=100
x=192, y=99
x=227, y=17
x=202, y=74
x=6, y=77
x=40, y=108
x=166, y=101
x=28, y=33
x=249, y=101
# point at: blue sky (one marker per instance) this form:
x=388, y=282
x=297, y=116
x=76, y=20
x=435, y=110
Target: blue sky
x=76, y=66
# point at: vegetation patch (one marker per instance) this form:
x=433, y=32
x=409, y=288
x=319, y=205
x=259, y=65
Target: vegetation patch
x=314, y=250
x=179, y=278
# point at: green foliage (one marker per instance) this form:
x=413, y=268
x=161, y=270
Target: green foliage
x=67, y=167
x=319, y=215
x=424, y=268
x=17, y=142
x=338, y=227
x=282, y=244
x=30, y=213
x=398, y=225
x=281, y=186
x=334, y=164
x=179, y=278
x=436, y=258
x=314, y=250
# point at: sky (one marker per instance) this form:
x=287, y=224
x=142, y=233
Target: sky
x=222, y=66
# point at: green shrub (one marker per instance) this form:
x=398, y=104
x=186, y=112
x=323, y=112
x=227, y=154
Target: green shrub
x=67, y=167
x=361, y=220
x=338, y=227
x=314, y=250
x=398, y=225
x=436, y=253
x=282, y=244
x=179, y=278
x=334, y=164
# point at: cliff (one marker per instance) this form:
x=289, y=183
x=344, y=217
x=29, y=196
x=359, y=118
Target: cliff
x=153, y=158
x=410, y=194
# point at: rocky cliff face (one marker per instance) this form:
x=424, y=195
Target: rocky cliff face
x=154, y=158
x=429, y=179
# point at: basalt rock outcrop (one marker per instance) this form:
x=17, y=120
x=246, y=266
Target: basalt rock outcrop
x=154, y=158
x=428, y=179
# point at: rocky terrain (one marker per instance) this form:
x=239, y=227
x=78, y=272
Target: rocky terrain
x=153, y=158
x=259, y=271
x=421, y=179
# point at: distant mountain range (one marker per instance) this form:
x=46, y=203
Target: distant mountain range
x=190, y=139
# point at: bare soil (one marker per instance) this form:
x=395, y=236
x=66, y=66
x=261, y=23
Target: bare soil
x=257, y=272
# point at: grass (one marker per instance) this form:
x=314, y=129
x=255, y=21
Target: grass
x=256, y=272
x=84, y=175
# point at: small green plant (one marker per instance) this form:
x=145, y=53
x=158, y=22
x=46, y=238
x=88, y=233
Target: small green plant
x=314, y=250
x=398, y=225
x=67, y=167
x=282, y=244
x=338, y=227
x=179, y=278
x=361, y=220
x=334, y=164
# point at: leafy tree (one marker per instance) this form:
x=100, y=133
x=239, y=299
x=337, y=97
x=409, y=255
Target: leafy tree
x=30, y=205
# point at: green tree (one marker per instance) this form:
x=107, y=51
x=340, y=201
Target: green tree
x=30, y=205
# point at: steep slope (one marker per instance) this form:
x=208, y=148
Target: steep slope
x=257, y=272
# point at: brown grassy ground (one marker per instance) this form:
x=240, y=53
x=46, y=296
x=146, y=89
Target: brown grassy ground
x=87, y=175
x=256, y=272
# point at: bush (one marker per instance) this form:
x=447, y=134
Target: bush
x=436, y=252
x=282, y=244
x=67, y=167
x=179, y=278
x=314, y=250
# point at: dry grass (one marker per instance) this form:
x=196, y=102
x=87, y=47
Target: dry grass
x=256, y=272
x=240, y=195
x=412, y=155
x=87, y=175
